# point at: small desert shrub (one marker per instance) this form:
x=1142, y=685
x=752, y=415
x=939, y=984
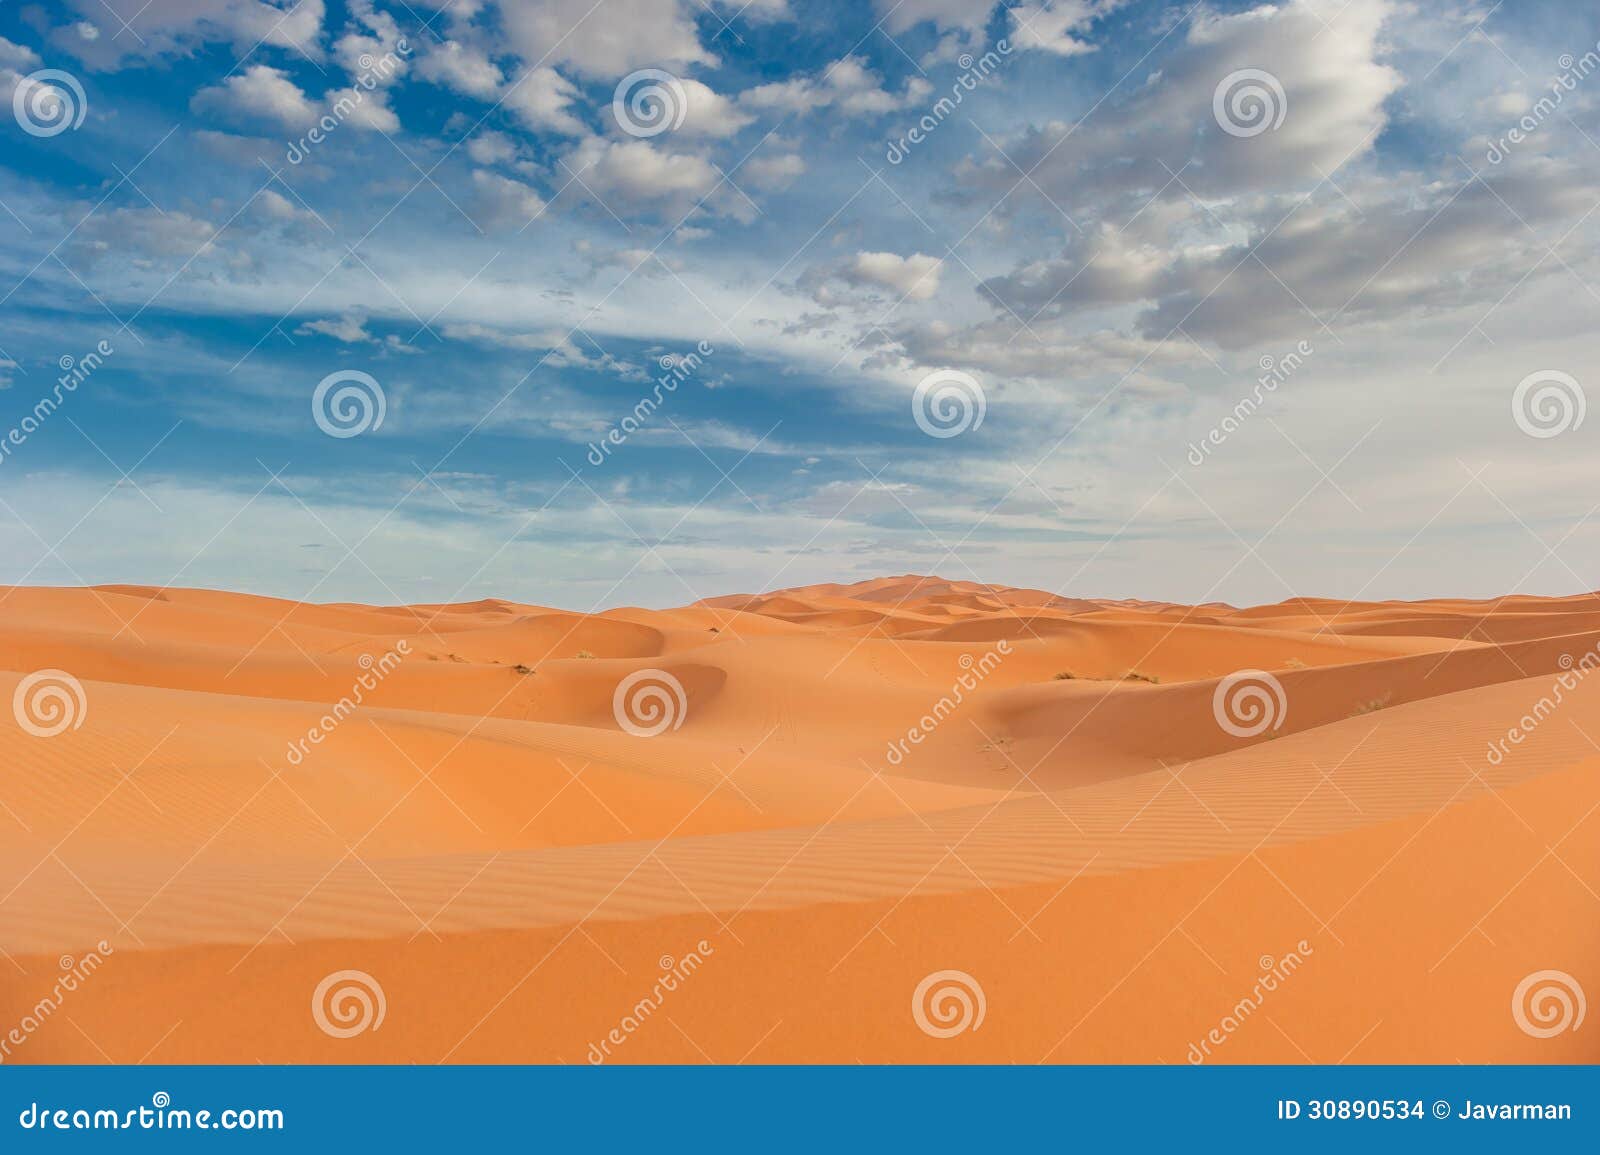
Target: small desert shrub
x=1136, y=676
x=584, y=654
x=1064, y=676
x=1371, y=706
x=522, y=669
x=1293, y=664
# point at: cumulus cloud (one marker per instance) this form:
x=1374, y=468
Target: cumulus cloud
x=349, y=329
x=773, y=172
x=1057, y=25
x=1334, y=89
x=606, y=41
x=637, y=172
x=542, y=100
x=915, y=277
x=461, y=68
x=848, y=86
x=259, y=93
x=501, y=202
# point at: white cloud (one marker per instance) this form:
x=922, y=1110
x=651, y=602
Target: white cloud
x=1056, y=25
x=708, y=113
x=542, y=99
x=501, y=202
x=605, y=41
x=848, y=85
x=461, y=68
x=772, y=172
x=636, y=172
x=488, y=147
x=350, y=329
x=363, y=109
x=915, y=278
x=17, y=57
x=261, y=92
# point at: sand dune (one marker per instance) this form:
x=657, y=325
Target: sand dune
x=1113, y=818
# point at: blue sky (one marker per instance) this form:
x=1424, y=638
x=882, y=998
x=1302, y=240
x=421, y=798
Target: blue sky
x=1093, y=239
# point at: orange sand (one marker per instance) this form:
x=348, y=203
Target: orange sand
x=514, y=870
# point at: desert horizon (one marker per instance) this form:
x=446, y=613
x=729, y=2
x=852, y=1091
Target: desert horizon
x=800, y=533
x=906, y=819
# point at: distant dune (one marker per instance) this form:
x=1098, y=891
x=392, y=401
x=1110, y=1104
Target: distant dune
x=906, y=820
